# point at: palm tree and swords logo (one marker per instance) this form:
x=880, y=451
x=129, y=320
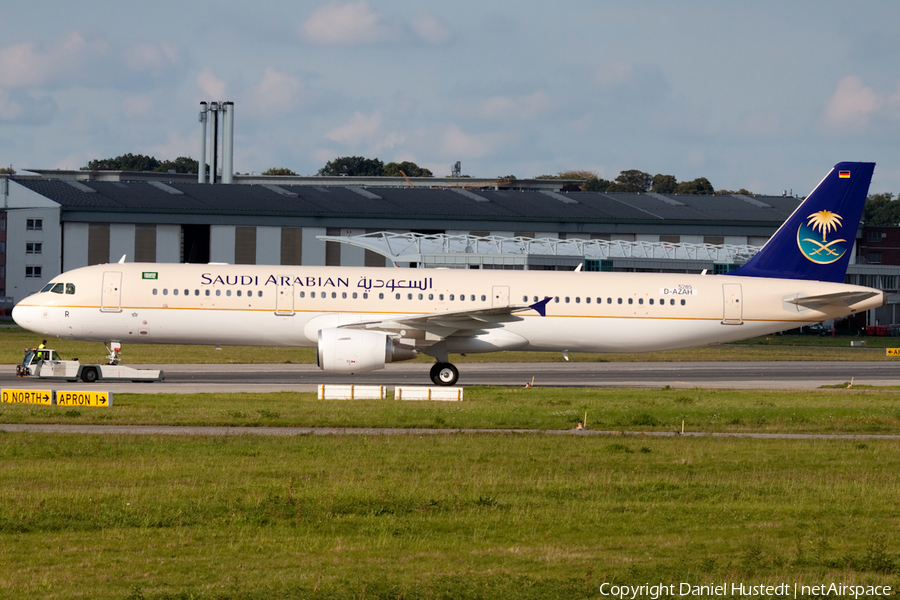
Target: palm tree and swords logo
x=826, y=251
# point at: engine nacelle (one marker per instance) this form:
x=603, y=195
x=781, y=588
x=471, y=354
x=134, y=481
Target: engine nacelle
x=357, y=350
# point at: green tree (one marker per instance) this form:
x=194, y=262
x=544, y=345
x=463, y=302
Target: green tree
x=279, y=171
x=7, y=171
x=140, y=162
x=882, y=209
x=125, y=162
x=353, y=166
x=596, y=184
x=411, y=169
x=701, y=185
x=592, y=181
x=632, y=181
x=663, y=184
x=182, y=164
x=740, y=192
x=575, y=174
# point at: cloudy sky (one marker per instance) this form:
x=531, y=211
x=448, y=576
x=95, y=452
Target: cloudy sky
x=765, y=95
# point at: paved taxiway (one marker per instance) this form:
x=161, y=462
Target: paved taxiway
x=272, y=378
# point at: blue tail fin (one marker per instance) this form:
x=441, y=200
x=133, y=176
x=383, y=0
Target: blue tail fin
x=817, y=239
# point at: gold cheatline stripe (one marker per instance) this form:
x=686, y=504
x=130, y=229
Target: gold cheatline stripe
x=436, y=314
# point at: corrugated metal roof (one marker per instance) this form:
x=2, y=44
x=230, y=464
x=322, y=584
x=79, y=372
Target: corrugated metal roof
x=403, y=203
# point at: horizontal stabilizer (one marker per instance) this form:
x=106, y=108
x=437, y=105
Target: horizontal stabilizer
x=836, y=299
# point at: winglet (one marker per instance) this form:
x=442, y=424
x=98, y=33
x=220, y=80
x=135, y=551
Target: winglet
x=541, y=307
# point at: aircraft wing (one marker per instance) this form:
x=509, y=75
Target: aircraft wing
x=465, y=322
x=841, y=299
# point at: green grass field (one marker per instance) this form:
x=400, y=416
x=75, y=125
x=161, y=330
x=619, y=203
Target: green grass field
x=455, y=516
x=824, y=411
x=460, y=516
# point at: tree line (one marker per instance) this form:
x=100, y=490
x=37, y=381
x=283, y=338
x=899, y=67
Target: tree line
x=881, y=209
x=631, y=180
x=635, y=181
x=139, y=162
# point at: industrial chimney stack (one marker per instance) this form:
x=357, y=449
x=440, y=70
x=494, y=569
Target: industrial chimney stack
x=210, y=112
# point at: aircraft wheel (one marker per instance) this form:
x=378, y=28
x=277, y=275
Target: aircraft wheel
x=444, y=374
x=89, y=375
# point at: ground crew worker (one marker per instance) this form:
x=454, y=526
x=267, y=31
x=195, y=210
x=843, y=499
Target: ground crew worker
x=40, y=352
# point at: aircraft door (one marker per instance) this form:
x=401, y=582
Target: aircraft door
x=500, y=295
x=733, y=312
x=284, y=299
x=111, y=294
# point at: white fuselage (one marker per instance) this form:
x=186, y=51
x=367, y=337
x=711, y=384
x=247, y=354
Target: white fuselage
x=287, y=306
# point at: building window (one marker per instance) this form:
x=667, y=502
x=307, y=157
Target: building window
x=874, y=236
x=33, y=272
x=30, y=247
x=34, y=224
x=873, y=258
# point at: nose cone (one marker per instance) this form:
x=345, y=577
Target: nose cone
x=25, y=316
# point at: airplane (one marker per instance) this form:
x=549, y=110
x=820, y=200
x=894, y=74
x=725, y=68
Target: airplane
x=361, y=318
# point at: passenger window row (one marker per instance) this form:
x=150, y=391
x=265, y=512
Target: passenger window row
x=651, y=301
x=207, y=292
x=70, y=289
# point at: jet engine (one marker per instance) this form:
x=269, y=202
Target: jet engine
x=357, y=350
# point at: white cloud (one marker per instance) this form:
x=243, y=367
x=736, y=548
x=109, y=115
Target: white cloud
x=25, y=65
x=517, y=108
x=361, y=128
x=21, y=108
x=322, y=155
x=457, y=143
x=627, y=84
x=146, y=57
x=212, y=87
x=612, y=74
x=390, y=141
x=345, y=24
x=174, y=146
x=854, y=104
x=430, y=29
x=695, y=157
x=276, y=94
x=137, y=106
x=9, y=108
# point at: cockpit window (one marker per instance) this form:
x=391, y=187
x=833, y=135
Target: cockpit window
x=70, y=288
x=47, y=287
x=58, y=288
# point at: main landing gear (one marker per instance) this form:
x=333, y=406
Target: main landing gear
x=444, y=374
